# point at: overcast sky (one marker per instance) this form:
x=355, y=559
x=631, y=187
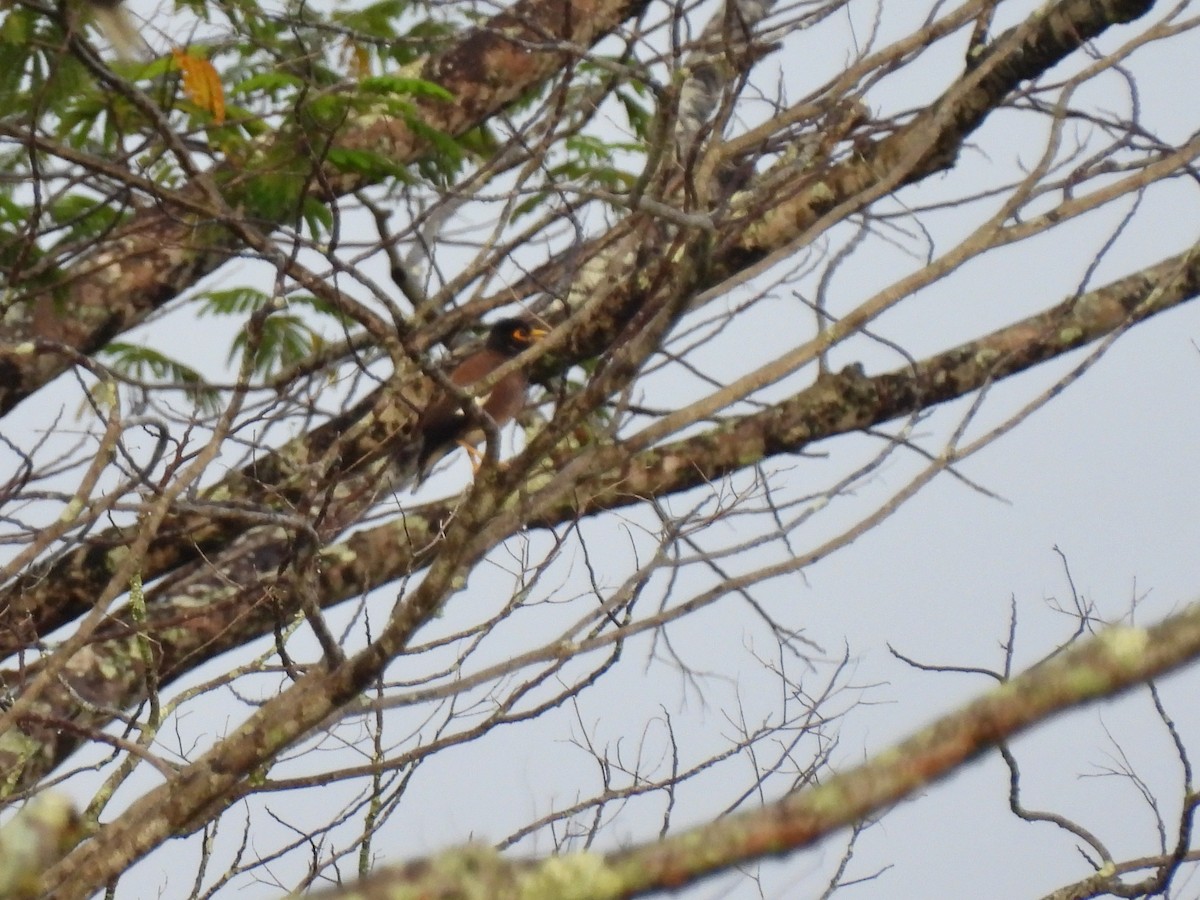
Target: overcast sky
x=1106, y=473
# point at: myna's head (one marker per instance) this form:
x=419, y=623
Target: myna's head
x=513, y=336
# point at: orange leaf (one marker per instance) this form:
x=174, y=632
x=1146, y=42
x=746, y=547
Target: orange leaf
x=357, y=58
x=201, y=83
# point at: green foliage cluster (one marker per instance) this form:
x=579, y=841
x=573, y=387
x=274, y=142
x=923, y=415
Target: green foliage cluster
x=152, y=367
x=281, y=339
x=290, y=81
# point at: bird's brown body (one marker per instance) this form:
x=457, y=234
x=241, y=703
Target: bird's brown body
x=444, y=425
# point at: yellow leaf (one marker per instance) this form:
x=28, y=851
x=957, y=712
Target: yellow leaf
x=357, y=58
x=201, y=83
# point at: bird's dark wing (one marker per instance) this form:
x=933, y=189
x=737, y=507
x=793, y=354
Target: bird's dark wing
x=443, y=422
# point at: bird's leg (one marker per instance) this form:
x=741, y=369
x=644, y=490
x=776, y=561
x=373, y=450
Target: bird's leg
x=473, y=455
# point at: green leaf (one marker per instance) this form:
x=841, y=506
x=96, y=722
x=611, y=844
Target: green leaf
x=364, y=162
x=327, y=111
x=323, y=307
x=528, y=205
x=318, y=217
x=479, y=142
x=10, y=209
x=148, y=365
x=283, y=340
x=274, y=196
x=234, y=302
x=268, y=83
x=16, y=27
x=409, y=87
x=445, y=163
x=374, y=19
x=14, y=58
x=83, y=216
x=640, y=116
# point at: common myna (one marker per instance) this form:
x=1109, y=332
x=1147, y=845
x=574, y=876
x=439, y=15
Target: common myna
x=443, y=425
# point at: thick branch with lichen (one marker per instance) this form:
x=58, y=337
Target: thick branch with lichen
x=202, y=618
x=49, y=596
x=167, y=247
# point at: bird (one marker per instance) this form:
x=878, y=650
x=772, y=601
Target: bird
x=443, y=424
x=118, y=27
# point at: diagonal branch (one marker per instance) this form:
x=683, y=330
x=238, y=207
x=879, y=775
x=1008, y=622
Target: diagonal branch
x=165, y=248
x=1114, y=661
x=486, y=517
x=763, y=228
x=197, y=621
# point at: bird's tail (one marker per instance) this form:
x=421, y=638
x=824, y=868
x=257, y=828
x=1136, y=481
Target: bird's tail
x=121, y=31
